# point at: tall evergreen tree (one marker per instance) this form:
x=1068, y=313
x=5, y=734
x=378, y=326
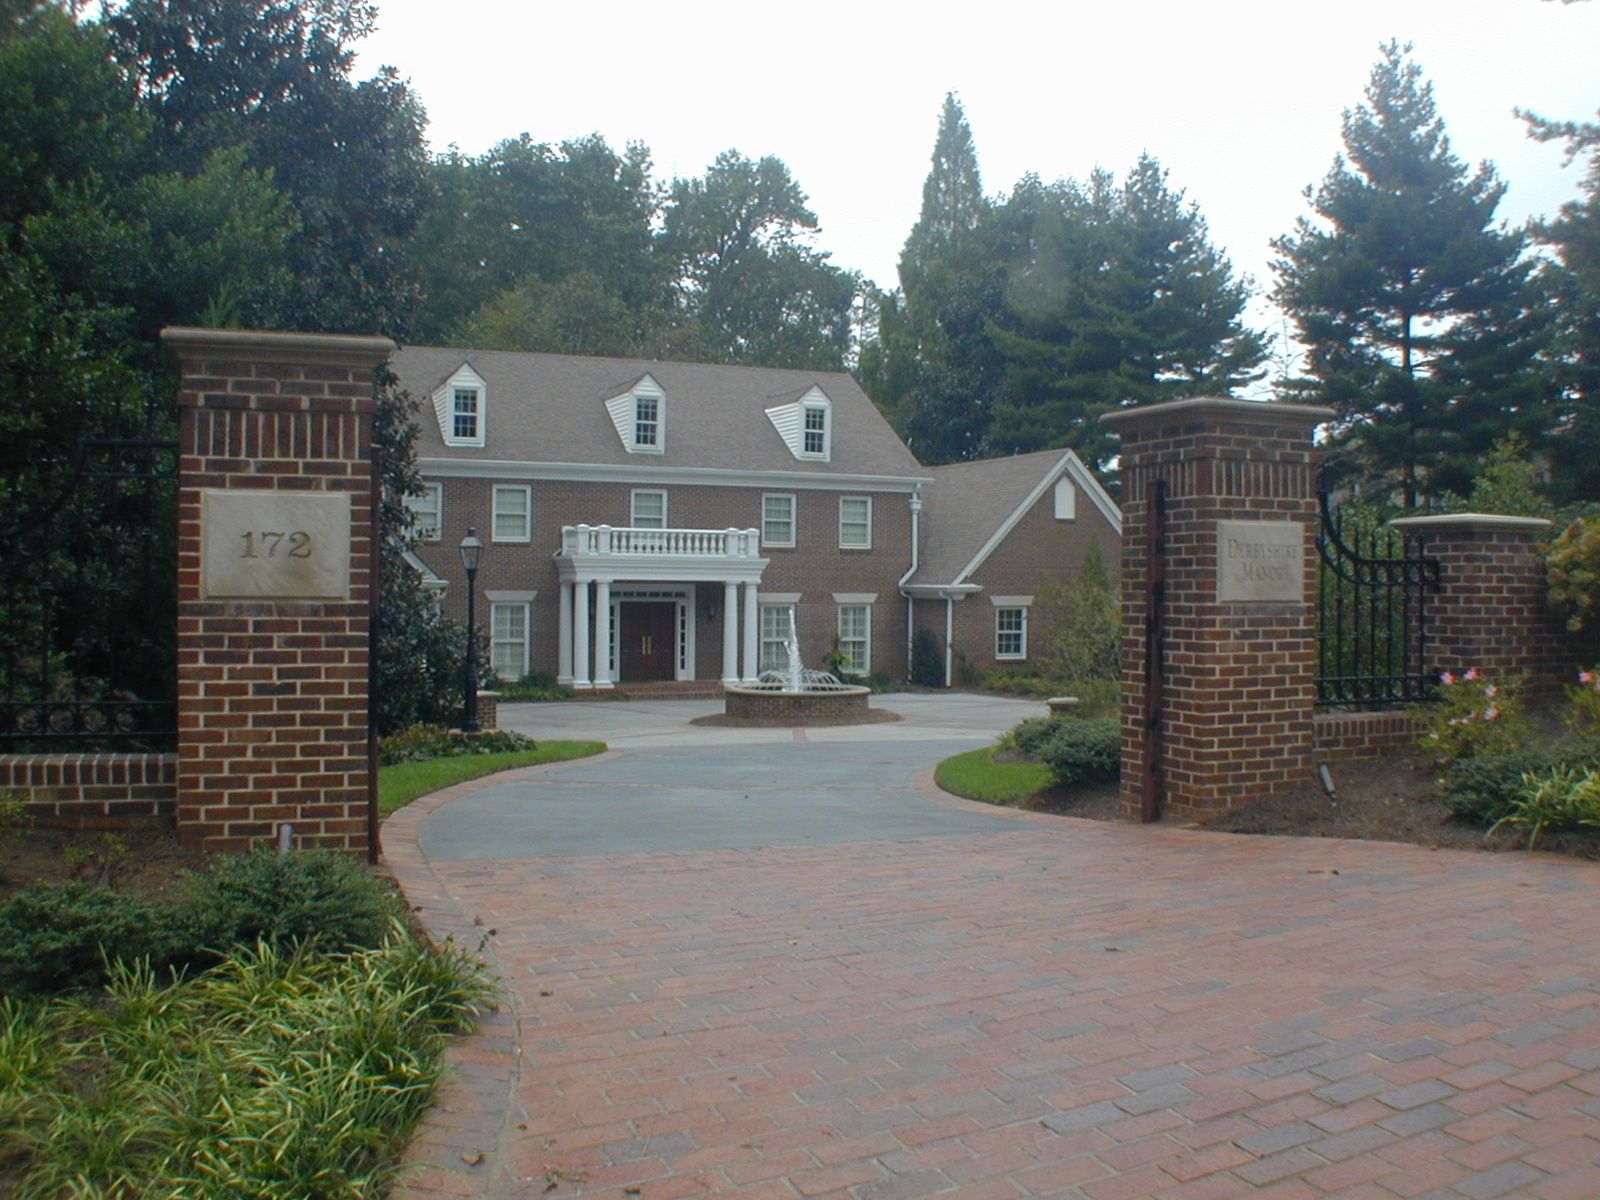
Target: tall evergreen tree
x=1119, y=298
x=1574, y=280
x=952, y=281
x=1419, y=316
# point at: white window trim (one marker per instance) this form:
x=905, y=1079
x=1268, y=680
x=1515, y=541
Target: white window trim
x=763, y=605
x=519, y=600
x=462, y=379
x=844, y=545
x=633, y=505
x=794, y=519
x=436, y=490
x=527, y=512
x=808, y=407
x=999, y=611
x=624, y=413
x=866, y=637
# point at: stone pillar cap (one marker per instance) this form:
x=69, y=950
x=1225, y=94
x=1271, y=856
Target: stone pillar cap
x=1487, y=522
x=262, y=345
x=1219, y=408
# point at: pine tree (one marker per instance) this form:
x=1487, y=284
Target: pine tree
x=1420, y=319
x=952, y=282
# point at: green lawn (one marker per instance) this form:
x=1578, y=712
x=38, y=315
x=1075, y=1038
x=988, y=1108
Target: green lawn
x=977, y=776
x=404, y=782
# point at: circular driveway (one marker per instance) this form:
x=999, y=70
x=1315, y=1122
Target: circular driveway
x=773, y=964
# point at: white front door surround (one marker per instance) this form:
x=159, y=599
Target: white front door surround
x=600, y=566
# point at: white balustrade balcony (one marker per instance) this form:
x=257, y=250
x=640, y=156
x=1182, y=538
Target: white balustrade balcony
x=625, y=552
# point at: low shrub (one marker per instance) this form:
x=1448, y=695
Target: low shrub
x=535, y=685
x=57, y=937
x=311, y=897
x=1027, y=736
x=422, y=742
x=1083, y=750
x=1583, y=704
x=1474, y=717
x=1572, y=566
x=1484, y=789
x=272, y=1075
x=1566, y=798
x=1017, y=682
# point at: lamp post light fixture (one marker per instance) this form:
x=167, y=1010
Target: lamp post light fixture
x=471, y=556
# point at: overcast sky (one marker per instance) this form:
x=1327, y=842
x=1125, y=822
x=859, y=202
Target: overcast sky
x=1239, y=99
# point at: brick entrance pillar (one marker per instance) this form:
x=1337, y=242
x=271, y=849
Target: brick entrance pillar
x=1238, y=667
x=1491, y=612
x=275, y=568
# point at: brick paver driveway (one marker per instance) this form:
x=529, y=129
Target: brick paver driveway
x=1001, y=1005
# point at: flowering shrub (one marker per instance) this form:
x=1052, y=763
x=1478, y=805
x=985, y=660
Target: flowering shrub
x=1572, y=565
x=1583, y=712
x=1474, y=717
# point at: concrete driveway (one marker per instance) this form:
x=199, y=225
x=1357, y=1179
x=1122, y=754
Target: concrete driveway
x=784, y=967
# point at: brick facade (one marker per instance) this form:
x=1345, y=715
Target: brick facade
x=815, y=566
x=1239, y=679
x=1491, y=611
x=1358, y=736
x=272, y=693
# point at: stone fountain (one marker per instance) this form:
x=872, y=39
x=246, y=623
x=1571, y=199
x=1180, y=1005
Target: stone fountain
x=796, y=695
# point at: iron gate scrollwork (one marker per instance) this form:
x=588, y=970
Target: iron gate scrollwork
x=88, y=616
x=1372, y=634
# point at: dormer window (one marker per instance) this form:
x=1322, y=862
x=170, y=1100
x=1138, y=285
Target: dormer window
x=640, y=415
x=805, y=424
x=646, y=421
x=461, y=403
x=464, y=414
x=816, y=439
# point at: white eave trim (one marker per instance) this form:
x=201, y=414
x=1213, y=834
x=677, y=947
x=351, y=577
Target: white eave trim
x=647, y=473
x=1070, y=466
x=940, y=591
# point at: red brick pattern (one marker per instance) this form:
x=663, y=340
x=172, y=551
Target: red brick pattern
x=272, y=695
x=1491, y=612
x=1352, y=736
x=781, y=709
x=1240, y=679
x=1072, y=1009
x=94, y=791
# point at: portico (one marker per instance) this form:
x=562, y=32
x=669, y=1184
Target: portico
x=627, y=602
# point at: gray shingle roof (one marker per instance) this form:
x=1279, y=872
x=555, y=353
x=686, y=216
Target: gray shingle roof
x=967, y=502
x=550, y=408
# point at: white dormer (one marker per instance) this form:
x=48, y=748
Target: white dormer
x=640, y=415
x=806, y=425
x=462, y=406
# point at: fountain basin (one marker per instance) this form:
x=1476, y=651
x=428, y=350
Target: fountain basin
x=767, y=704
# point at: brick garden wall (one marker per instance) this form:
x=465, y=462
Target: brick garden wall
x=94, y=791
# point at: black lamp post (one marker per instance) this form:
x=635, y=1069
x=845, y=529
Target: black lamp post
x=471, y=556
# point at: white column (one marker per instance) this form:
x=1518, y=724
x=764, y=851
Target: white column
x=564, y=662
x=752, y=635
x=730, y=632
x=602, y=634
x=580, y=635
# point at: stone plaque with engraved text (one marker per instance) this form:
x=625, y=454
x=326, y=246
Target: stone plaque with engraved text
x=271, y=545
x=1260, y=562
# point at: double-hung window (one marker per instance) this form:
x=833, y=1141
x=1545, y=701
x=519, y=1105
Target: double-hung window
x=855, y=522
x=508, y=640
x=513, y=512
x=649, y=509
x=1011, y=633
x=647, y=421
x=855, y=637
x=814, y=436
x=465, y=413
x=777, y=519
x=775, y=620
x=427, y=511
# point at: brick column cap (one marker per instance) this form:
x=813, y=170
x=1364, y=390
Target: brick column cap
x=261, y=345
x=1471, y=523
x=1219, y=408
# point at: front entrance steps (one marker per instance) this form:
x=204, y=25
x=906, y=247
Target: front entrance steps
x=676, y=689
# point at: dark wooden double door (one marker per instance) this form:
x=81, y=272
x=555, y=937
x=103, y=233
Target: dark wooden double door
x=647, y=640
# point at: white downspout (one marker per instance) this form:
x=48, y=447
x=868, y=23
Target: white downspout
x=949, y=628
x=916, y=510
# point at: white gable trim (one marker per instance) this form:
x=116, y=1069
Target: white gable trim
x=641, y=474
x=624, y=411
x=790, y=422
x=464, y=377
x=1070, y=466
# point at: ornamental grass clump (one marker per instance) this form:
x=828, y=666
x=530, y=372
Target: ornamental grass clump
x=1474, y=717
x=1567, y=798
x=277, y=1073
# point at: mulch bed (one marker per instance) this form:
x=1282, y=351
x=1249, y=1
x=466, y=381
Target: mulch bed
x=142, y=862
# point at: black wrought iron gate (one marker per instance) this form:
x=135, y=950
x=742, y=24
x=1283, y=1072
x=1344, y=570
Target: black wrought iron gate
x=1372, y=634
